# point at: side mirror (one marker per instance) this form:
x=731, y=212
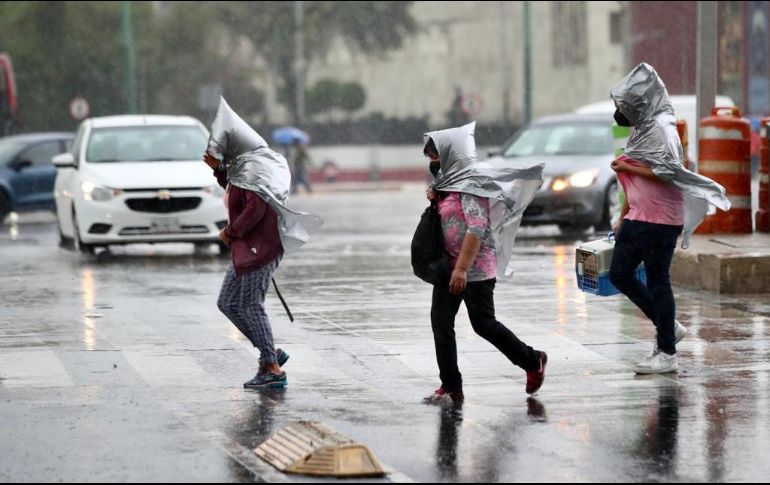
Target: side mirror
x=494, y=152
x=20, y=165
x=65, y=160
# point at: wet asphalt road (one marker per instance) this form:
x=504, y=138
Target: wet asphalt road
x=120, y=367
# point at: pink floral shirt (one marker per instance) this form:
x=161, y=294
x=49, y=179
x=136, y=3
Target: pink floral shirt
x=461, y=214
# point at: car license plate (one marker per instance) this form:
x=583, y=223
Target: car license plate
x=166, y=225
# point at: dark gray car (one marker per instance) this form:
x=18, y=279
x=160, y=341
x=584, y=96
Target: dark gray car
x=580, y=189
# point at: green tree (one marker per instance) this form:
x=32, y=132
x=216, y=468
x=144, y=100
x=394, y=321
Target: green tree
x=61, y=50
x=351, y=97
x=323, y=97
x=371, y=27
x=184, y=51
x=327, y=95
x=64, y=49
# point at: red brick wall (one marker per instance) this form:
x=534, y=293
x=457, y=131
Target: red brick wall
x=665, y=37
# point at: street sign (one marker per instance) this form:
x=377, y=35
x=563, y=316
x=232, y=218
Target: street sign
x=79, y=108
x=471, y=104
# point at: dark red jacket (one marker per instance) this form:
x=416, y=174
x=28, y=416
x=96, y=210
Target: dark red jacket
x=253, y=228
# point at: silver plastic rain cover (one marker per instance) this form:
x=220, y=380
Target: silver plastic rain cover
x=642, y=97
x=509, y=189
x=252, y=165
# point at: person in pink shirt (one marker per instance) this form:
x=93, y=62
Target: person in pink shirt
x=664, y=200
x=651, y=221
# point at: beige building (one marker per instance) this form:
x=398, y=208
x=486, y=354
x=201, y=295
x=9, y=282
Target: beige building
x=478, y=47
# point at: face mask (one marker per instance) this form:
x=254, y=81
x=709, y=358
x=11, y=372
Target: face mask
x=434, y=167
x=621, y=120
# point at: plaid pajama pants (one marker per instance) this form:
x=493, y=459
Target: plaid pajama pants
x=242, y=300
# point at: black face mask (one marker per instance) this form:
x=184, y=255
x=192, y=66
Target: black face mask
x=434, y=167
x=621, y=120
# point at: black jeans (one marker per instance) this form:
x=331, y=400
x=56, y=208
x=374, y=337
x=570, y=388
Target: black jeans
x=479, y=300
x=654, y=245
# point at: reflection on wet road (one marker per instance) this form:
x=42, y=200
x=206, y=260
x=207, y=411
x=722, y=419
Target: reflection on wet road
x=120, y=367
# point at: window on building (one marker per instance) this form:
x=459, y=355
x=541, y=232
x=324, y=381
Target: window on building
x=570, y=25
x=616, y=28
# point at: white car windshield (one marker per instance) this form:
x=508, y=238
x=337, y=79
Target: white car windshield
x=562, y=139
x=146, y=144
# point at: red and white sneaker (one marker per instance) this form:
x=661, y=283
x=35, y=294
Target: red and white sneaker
x=535, y=378
x=441, y=396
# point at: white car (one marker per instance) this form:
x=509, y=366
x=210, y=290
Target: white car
x=137, y=179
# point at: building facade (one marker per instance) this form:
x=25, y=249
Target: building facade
x=471, y=54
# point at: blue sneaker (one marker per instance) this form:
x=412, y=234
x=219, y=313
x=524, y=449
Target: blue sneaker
x=281, y=356
x=267, y=380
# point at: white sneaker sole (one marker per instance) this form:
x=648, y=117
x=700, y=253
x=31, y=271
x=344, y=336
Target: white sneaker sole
x=647, y=371
x=680, y=331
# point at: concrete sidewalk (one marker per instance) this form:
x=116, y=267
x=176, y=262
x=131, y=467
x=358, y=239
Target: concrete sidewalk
x=725, y=264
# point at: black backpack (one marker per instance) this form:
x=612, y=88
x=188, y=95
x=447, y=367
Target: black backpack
x=430, y=260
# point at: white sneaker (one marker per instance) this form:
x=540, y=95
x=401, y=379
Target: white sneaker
x=660, y=363
x=655, y=351
x=680, y=331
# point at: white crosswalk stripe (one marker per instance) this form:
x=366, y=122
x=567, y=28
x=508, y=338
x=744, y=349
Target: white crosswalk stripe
x=33, y=368
x=162, y=370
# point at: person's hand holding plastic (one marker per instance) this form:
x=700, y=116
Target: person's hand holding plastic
x=223, y=236
x=619, y=166
x=211, y=161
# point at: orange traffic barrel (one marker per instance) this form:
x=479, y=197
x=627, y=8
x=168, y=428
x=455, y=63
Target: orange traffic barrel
x=763, y=215
x=724, y=155
x=681, y=128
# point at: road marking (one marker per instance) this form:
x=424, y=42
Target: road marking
x=33, y=368
x=163, y=370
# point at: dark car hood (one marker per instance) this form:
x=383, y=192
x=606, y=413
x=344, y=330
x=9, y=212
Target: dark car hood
x=556, y=165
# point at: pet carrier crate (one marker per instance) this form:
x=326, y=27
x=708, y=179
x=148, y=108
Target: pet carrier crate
x=592, y=267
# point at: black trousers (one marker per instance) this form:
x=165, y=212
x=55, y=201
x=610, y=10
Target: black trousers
x=653, y=244
x=479, y=300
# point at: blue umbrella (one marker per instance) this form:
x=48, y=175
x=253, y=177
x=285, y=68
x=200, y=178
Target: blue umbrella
x=287, y=135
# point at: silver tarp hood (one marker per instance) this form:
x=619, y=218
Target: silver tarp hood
x=252, y=165
x=509, y=189
x=642, y=97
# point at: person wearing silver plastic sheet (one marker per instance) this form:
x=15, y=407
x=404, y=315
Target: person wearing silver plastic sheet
x=480, y=206
x=663, y=200
x=260, y=229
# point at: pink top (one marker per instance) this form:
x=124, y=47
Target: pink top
x=651, y=201
x=462, y=214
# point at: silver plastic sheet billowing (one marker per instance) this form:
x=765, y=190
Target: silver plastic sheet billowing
x=252, y=165
x=642, y=97
x=509, y=190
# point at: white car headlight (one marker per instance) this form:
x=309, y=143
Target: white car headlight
x=583, y=179
x=216, y=190
x=94, y=192
x=559, y=184
x=579, y=180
